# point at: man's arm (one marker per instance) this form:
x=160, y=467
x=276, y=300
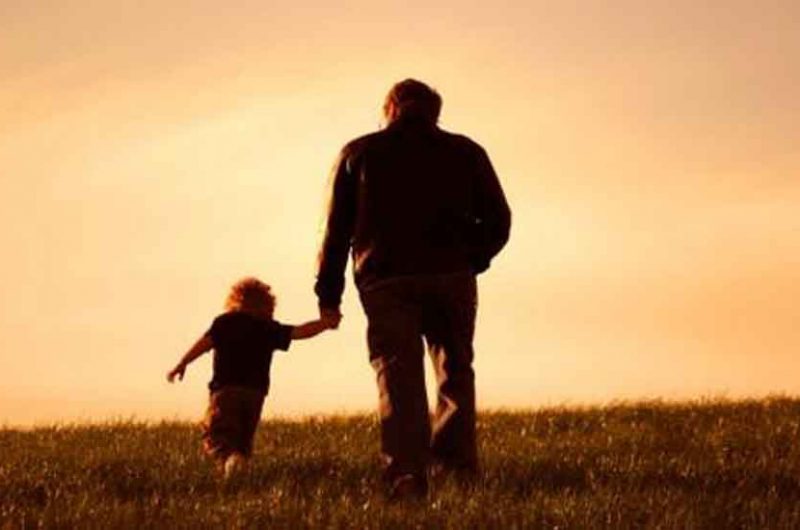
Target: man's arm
x=202, y=345
x=338, y=233
x=492, y=214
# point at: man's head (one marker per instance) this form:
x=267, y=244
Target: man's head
x=412, y=99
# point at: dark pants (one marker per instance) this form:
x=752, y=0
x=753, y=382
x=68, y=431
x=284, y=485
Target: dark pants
x=401, y=312
x=231, y=421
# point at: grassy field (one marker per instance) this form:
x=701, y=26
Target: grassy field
x=645, y=465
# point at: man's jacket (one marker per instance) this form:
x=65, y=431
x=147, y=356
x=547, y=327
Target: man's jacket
x=410, y=199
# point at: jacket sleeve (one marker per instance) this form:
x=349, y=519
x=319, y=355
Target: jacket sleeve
x=333, y=253
x=491, y=214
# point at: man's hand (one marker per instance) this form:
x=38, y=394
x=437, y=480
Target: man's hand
x=331, y=317
x=178, y=372
x=331, y=321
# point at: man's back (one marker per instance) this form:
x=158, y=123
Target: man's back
x=411, y=199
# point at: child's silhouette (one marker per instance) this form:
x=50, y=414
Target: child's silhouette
x=243, y=339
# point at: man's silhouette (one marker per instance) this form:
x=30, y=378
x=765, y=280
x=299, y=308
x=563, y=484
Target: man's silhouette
x=423, y=212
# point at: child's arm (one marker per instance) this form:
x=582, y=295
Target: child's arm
x=200, y=347
x=315, y=327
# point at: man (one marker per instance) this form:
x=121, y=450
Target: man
x=423, y=212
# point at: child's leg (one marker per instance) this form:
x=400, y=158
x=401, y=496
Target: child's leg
x=234, y=465
x=231, y=423
x=220, y=426
x=252, y=403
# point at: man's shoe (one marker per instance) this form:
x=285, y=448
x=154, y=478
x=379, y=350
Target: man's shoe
x=463, y=475
x=408, y=487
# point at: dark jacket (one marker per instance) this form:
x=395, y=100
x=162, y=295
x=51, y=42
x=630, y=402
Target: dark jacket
x=410, y=199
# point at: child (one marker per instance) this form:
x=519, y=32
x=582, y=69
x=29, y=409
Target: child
x=243, y=340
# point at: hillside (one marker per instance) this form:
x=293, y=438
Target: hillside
x=640, y=465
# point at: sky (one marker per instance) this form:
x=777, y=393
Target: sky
x=152, y=153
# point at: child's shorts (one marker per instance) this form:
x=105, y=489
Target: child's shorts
x=231, y=421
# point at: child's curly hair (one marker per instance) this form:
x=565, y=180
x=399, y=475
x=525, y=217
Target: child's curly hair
x=251, y=295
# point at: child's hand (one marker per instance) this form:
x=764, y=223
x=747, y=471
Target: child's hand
x=178, y=372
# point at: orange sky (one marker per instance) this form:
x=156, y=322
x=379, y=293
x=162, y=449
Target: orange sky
x=151, y=155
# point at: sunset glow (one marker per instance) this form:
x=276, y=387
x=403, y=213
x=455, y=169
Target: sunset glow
x=150, y=156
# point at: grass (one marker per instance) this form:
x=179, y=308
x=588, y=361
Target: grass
x=713, y=465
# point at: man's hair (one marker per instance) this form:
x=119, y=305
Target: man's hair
x=251, y=295
x=412, y=98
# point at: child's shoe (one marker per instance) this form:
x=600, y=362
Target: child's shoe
x=234, y=465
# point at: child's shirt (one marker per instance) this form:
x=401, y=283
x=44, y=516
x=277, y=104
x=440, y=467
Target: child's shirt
x=243, y=347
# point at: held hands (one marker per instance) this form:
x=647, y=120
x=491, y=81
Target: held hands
x=330, y=317
x=178, y=371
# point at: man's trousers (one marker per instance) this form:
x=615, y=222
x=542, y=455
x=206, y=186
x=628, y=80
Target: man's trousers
x=401, y=312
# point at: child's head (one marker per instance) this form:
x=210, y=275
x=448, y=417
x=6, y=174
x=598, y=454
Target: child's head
x=251, y=295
